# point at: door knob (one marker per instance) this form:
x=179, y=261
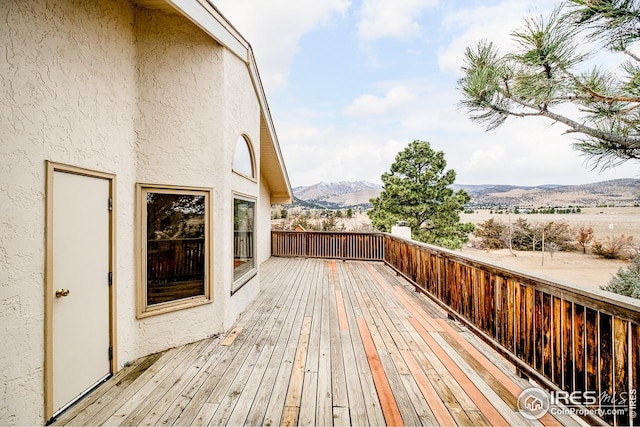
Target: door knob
x=62, y=293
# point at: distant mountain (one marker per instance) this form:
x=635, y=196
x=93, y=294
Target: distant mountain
x=479, y=190
x=618, y=192
x=345, y=194
x=336, y=195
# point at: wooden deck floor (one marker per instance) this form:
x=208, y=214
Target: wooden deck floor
x=326, y=343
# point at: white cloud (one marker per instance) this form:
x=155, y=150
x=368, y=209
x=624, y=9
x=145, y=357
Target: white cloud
x=396, y=19
x=317, y=154
x=526, y=152
x=494, y=23
x=274, y=28
x=371, y=105
x=487, y=155
x=418, y=107
x=522, y=151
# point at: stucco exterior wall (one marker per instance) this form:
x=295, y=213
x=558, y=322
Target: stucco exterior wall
x=242, y=117
x=144, y=95
x=179, y=83
x=264, y=223
x=67, y=93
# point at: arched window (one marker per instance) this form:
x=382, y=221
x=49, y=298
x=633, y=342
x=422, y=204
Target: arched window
x=243, y=157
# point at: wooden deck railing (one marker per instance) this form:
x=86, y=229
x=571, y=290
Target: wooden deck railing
x=317, y=244
x=579, y=341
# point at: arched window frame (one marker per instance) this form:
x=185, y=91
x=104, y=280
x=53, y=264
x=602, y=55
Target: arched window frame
x=249, y=147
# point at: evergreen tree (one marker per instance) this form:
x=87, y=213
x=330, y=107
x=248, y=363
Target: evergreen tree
x=417, y=191
x=549, y=70
x=626, y=281
x=492, y=233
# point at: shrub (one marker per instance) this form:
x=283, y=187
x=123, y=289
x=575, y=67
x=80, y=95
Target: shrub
x=528, y=237
x=626, y=281
x=618, y=247
x=525, y=236
x=560, y=234
x=329, y=224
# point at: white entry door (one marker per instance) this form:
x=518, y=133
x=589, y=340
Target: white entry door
x=80, y=254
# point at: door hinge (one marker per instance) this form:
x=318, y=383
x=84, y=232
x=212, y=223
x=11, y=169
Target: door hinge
x=110, y=278
x=110, y=204
x=110, y=352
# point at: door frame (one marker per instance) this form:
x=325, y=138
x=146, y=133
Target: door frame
x=49, y=291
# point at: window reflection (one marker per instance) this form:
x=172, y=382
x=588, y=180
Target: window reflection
x=243, y=239
x=243, y=161
x=175, y=246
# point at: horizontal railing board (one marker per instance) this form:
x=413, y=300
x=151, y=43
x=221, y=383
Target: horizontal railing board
x=609, y=302
x=335, y=245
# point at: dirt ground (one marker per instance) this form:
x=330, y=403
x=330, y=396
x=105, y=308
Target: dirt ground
x=575, y=267
x=580, y=269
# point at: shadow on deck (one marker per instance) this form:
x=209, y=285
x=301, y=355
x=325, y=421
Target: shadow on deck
x=325, y=343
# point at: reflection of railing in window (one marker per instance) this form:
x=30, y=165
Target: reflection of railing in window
x=243, y=261
x=175, y=260
x=242, y=244
x=175, y=269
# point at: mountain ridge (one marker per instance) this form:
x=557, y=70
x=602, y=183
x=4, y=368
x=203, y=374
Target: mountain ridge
x=356, y=194
x=623, y=191
x=337, y=195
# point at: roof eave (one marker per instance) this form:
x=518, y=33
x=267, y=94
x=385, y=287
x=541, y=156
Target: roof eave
x=207, y=17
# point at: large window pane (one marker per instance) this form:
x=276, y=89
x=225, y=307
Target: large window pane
x=175, y=256
x=243, y=240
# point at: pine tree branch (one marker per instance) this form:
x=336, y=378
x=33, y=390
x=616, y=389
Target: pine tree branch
x=598, y=96
x=631, y=54
x=632, y=143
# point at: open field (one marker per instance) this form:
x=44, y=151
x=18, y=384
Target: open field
x=584, y=270
x=625, y=220
x=576, y=267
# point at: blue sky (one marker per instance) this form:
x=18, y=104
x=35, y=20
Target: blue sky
x=350, y=83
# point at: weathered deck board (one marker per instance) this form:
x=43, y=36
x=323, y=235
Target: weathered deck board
x=326, y=343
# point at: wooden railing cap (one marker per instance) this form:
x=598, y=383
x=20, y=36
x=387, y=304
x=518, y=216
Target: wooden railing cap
x=597, y=297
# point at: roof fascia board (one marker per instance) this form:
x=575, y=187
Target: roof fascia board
x=203, y=18
x=255, y=77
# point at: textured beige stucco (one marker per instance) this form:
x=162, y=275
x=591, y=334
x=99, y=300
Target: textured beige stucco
x=264, y=223
x=243, y=121
x=179, y=86
x=144, y=95
x=67, y=85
